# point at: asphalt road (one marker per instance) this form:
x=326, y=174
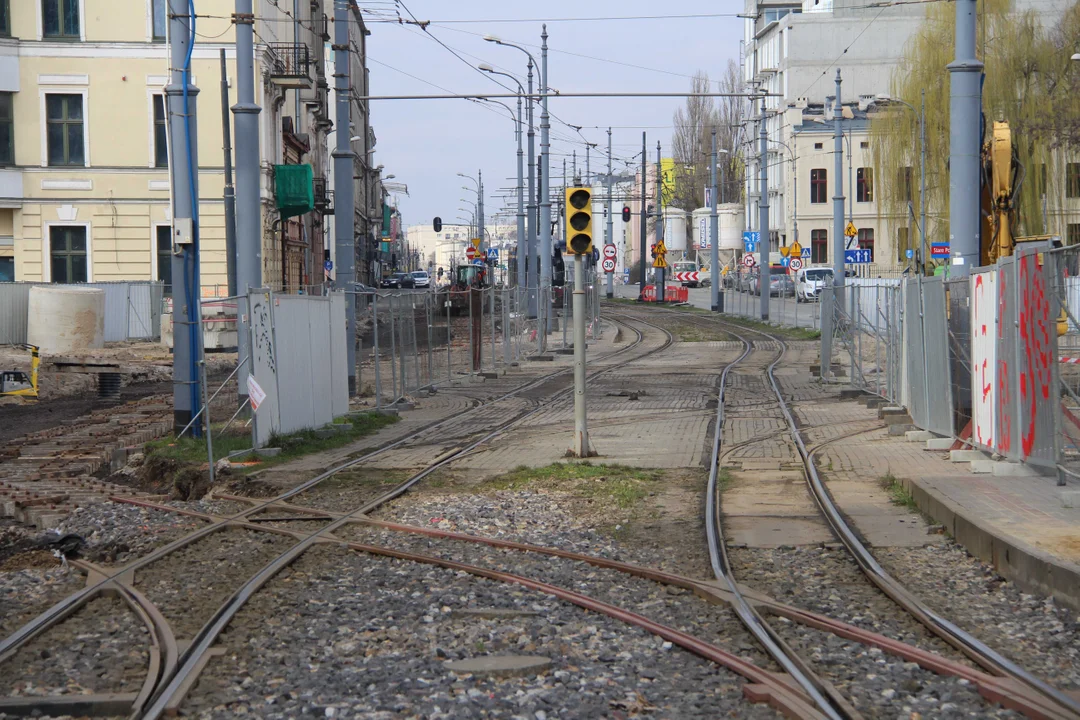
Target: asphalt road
x=784, y=311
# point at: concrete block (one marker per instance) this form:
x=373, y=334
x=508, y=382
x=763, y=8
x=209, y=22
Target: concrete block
x=983, y=467
x=564, y=351
x=268, y=452
x=1070, y=498
x=939, y=443
x=890, y=410
x=1014, y=469
x=919, y=435
x=541, y=358
x=899, y=419
x=966, y=455
x=874, y=403
x=900, y=428
x=851, y=394
x=403, y=406
x=387, y=411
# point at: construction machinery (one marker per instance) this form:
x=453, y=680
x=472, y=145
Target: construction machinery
x=16, y=383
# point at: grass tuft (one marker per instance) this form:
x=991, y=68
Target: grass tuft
x=621, y=485
x=898, y=494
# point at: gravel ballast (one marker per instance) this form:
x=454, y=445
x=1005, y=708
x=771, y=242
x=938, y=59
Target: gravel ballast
x=344, y=634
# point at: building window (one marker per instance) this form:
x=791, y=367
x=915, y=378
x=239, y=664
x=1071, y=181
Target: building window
x=819, y=246
x=901, y=244
x=1072, y=180
x=164, y=256
x=864, y=145
x=1072, y=234
x=60, y=19
x=819, y=146
x=1042, y=180
x=819, y=186
x=158, y=21
x=67, y=254
x=864, y=184
x=866, y=240
x=5, y=18
x=7, y=130
x=7, y=269
x=64, y=118
x=906, y=181
x=161, y=135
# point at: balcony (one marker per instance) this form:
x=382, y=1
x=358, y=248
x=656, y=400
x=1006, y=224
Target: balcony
x=324, y=199
x=290, y=65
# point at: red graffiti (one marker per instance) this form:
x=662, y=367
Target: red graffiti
x=1004, y=397
x=1034, y=322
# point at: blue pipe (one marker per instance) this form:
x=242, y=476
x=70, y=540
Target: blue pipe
x=195, y=323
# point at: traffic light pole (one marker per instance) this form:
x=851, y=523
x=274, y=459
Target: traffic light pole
x=644, y=222
x=659, y=220
x=610, y=239
x=545, y=198
x=581, y=424
x=714, y=234
x=763, y=223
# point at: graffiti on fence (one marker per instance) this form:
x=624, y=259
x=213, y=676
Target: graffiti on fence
x=1036, y=370
x=984, y=336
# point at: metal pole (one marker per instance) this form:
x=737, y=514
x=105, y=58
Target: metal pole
x=230, y=191
x=344, y=211
x=610, y=239
x=659, y=220
x=378, y=375
x=491, y=307
x=449, y=359
x=393, y=352
x=522, y=243
x=183, y=168
x=581, y=425
x=412, y=334
x=480, y=212
x=764, y=243
x=965, y=105
x=565, y=236
x=838, y=199
x=545, y=196
x=922, y=181
x=430, y=317
x=644, y=220
x=472, y=333
x=714, y=232
x=506, y=328
x=531, y=269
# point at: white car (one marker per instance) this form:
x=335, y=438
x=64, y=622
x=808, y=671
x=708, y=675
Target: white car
x=421, y=279
x=810, y=281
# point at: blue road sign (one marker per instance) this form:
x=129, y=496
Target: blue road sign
x=478, y=261
x=859, y=256
x=750, y=240
x=909, y=253
x=806, y=253
x=626, y=277
x=785, y=261
x=939, y=250
x=328, y=265
x=493, y=253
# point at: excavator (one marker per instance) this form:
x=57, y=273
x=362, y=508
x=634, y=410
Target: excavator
x=16, y=383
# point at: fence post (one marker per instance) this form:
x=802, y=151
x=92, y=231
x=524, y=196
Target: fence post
x=428, y=314
x=492, y=306
x=393, y=349
x=506, y=326
x=449, y=360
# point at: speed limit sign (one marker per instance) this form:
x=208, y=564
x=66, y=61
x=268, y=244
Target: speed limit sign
x=608, y=264
x=609, y=251
x=749, y=260
x=795, y=264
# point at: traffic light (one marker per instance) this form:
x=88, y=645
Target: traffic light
x=652, y=250
x=438, y=224
x=579, y=220
x=626, y=213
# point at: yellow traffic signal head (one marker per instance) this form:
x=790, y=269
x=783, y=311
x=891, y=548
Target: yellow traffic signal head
x=579, y=220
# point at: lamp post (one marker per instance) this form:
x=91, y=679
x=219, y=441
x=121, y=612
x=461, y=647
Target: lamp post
x=921, y=115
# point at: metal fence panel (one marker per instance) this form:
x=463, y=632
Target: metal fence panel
x=984, y=339
x=939, y=417
x=916, y=357
x=14, y=306
x=132, y=310
x=1036, y=363
x=339, y=371
x=263, y=365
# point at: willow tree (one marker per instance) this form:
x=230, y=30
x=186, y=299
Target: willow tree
x=1030, y=82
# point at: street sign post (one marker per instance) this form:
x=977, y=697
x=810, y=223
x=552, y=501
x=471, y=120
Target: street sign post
x=493, y=254
x=858, y=256
x=609, y=251
x=470, y=252
x=475, y=243
x=795, y=264
x=939, y=250
x=749, y=260
x=608, y=265
x=750, y=241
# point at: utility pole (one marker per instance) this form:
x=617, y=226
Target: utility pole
x=922, y=180
x=965, y=106
x=532, y=272
x=714, y=233
x=610, y=238
x=480, y=209
x=644, y=221
x=183, y=172
x=581, y=420
x=763, y=223
x=545, y=195
x=659, y=220
x=230, y=192
x=248, y=184
x=522, y=241
x=344, y=244
x=838, y=243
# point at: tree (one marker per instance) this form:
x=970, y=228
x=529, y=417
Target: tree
x=1029, y=83
x=691, y=140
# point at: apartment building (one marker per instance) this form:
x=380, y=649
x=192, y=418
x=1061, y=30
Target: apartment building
x=84, y=146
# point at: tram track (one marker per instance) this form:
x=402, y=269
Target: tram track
x=1019, y=689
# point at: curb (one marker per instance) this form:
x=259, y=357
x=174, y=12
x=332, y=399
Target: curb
x=1032, y=569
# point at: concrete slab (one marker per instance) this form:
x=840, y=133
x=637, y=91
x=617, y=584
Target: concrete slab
x=900, y=429
x=772, y=532
x=983, y=467
x=966, y=455
x=755, y=465
x=1014, y=469
x=1070, y=499
x=500, y=665
x=939, y=443
x=901, y=418
x=919, y=435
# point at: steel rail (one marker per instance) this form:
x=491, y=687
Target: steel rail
x=192, y=660
x=72, y=603
x=977, y=650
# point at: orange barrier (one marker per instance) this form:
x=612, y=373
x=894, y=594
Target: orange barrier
x=672, y=293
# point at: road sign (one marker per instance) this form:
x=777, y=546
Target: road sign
x=493, y=254
x=750, y=241
x=608, y=265
x=478, y=261
x=626, y=277
x=909, y=253
x=661, y=248
x=475, y=243
x=797, y=250
x=470, y=252
x=694, y=276
x=851, y=230
x=795, y=264
x=609, y=251
x=749, y=260
x=859, y=256
x=785, y=251
x=784, y=262
x=939, y=250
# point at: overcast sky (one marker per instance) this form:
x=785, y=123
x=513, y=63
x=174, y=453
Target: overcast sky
x=426, y=143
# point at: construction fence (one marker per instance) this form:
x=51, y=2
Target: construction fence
x=991, y=359
x=132, y=310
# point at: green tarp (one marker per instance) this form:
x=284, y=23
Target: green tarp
x=294, y=191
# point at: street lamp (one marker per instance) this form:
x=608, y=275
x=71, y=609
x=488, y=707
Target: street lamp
x=921, y=114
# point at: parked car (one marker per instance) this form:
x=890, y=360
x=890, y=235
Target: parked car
x=747, y=282
x=810, y=281
x=397, y=280
x=781, y=286
x=421, y=279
